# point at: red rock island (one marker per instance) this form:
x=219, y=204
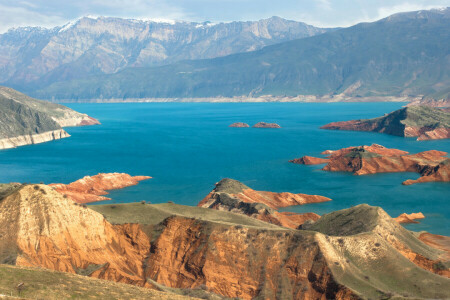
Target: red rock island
x=92, y=188
x=432, y=165
x=423, y=122
x=409, y=218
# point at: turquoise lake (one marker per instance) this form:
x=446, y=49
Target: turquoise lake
x=187, y=147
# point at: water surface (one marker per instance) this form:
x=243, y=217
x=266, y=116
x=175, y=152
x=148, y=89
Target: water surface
x=187, y=147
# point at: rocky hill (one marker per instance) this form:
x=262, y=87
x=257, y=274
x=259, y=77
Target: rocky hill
x=24, y=120
x=232, y=195
x=423, y=122
x=404, y=55
x=106, y=45
x=351, y=254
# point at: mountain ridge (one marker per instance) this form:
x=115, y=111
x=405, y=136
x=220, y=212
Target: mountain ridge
x=105, y=45
x=402, y=55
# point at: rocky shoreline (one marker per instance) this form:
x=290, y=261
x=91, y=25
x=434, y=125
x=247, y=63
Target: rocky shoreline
x=31, y=139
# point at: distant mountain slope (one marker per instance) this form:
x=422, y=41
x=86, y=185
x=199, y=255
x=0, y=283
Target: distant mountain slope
x=106, y=45
x=24, y=120
x=405, y=54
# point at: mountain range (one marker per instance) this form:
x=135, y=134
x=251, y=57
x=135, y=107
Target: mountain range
x=404, y=55
x=107, y=45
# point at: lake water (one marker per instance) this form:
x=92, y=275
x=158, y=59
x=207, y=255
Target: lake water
x=187, y=147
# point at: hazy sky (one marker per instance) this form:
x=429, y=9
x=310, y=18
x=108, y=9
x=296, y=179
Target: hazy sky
x=326, y=13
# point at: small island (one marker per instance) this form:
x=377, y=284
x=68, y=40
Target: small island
x=266, y=125
x=239, y=124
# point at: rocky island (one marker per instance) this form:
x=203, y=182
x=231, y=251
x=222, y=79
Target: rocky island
x=266, y=125
x=232, y=195
x=25, y=121
x=360, y=252
x=409, y=218
x=431, y=165
x=239, y=124
x=423, y=122
x=92, y=188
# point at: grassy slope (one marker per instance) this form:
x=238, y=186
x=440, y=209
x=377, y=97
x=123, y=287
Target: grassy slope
x=405, y=53
x=152, y=214
x=46, y=284
x=17, y=119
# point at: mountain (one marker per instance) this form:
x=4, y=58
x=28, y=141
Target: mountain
x=24, y=120
x=404, y=54
x=355, y=253
x=423, y=122
x=106, y=45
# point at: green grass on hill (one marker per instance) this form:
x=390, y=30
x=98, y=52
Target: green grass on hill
x=152, y=214
x=45, y=284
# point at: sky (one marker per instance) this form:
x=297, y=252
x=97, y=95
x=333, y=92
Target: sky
x=322, y=13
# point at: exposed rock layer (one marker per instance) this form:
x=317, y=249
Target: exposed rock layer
x=32, y=139
x=432, y=165
x=92, y=188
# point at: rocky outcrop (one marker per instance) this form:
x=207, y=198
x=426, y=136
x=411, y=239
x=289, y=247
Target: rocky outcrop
x=409, y=218
x=309, y=160
x=424, y=122
x=349, y=254
x=26, y=121
x=432, y=165
x=232, y=195
x=239, y=124
x=266, y=125
x=92, y=188
x=32, y=139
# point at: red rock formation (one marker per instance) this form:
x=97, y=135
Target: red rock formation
x=239, y=124
x=91, y=188
x=231, y=195
x=89, y=121
x=438, y=242
x=44, y=229
x=431, y=165
x=424, y=122
x=309, y=160
x=266, y=125
x=409, y=218
x=435, y=134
